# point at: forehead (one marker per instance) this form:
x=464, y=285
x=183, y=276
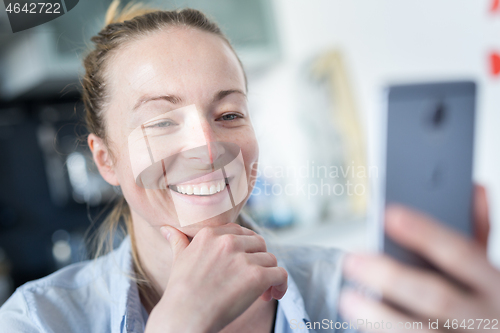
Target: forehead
x=183, y=61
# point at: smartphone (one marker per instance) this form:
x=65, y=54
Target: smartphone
x=428, y=158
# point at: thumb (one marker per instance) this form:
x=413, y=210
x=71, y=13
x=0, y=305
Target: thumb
x=177, y=240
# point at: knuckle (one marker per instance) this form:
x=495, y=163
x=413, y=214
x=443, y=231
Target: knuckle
x=393, y=274
x=256, y=274
x=230, y=226
x=441, y=303
x=284, y=273
x=262, y=241
x=234, y=228
x=438, y=297
x=206, y=233
x=228, y=242
x=243, y=258
x=459, y=254
x=252, y=232
x=274, y=260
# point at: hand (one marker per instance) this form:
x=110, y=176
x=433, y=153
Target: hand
x=421, y=294
x=215, y=278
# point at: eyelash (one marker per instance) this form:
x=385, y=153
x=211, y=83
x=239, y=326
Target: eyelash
x=156, y=125
x=230, y=114
x=171, y=123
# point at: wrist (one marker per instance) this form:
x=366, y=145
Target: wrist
x=174, y=313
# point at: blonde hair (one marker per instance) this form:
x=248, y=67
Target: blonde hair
x=132, y=22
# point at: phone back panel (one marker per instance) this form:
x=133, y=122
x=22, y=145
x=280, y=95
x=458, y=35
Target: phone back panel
x=430, y=130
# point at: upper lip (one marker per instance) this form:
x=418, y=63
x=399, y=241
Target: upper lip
x=212, y=176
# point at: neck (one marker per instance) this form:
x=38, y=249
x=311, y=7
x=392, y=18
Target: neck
x=153, y=260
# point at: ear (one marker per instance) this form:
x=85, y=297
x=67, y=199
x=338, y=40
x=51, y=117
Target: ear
x=102, y=159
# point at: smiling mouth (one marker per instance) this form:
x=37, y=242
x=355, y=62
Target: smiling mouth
x=201, y=189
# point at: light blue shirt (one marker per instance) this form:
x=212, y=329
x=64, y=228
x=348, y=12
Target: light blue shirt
x=99, y=296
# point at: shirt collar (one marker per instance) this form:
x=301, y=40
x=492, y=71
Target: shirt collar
x=126, y=316
x=292, y=302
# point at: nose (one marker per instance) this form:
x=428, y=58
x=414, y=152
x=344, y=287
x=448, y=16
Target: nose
x=202, y=136
x=212, y=148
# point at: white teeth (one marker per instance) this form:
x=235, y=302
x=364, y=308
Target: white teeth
x=199, y=189
x=204, y=190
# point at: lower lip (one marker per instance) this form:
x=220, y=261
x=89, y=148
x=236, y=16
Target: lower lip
x=202, y=200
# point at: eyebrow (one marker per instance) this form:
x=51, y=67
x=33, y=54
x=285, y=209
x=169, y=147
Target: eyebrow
x=223, y=93
x=144, y=99
x=176, y=100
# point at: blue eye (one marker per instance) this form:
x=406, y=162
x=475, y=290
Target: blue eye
x=230, y=116
x=162, y=124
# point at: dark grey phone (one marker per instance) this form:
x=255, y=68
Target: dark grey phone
x=429, y=150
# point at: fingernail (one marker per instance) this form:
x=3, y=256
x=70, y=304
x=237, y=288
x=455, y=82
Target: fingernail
x=166, y=233
x=353, y=264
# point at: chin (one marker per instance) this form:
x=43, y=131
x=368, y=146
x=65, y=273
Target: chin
x=219, y=220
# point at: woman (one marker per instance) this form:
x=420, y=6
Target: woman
x=170, y=82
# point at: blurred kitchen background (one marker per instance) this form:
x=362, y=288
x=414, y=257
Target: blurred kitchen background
x=316, y=72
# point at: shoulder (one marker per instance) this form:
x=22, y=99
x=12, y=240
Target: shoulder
x=64, y=301
x=314, y=278
x=15, y=316
x=316, y=273
x=304, y=262
x=314, y=269
x=307, y=255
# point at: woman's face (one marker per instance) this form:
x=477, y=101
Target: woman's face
x=177, y=104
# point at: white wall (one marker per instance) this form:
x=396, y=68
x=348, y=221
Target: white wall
x=384, y=41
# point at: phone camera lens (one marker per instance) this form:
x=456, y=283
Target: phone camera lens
x=439, y=115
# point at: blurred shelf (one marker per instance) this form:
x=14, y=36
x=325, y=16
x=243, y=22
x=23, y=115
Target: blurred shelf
x=347, y=235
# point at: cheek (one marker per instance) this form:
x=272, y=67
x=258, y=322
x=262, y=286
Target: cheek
x=123, y=167
x=246, y=140
x=154, y=206
x=132, y=193
x=250, y=151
